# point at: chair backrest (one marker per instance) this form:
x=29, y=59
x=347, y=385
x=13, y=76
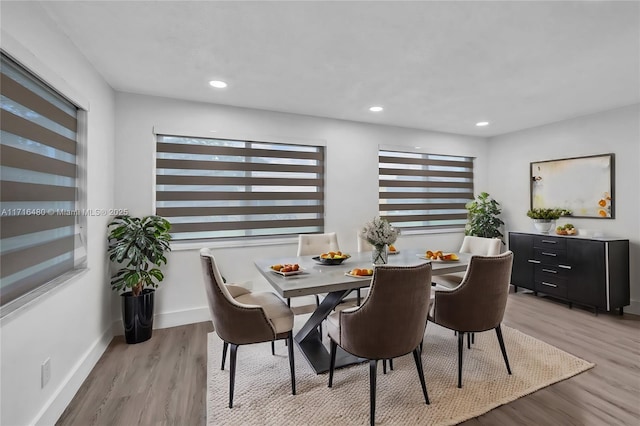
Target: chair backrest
x=309, y=244
x=478, y=304
x=363, y=245
x=481, y=246
x=391, y=320
x=233, y=322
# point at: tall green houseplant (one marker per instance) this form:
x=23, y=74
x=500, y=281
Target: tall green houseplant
x=482, y=217
x=138, y=245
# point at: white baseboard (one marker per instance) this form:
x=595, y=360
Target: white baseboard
x=55, y=406
x=171, y=319
x=633, y=308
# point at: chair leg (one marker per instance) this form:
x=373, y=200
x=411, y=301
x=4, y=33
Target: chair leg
x=273, y=347
x=384, y=366
x=502, y=348
x=232, y=374
x=391, y=364
x=288, y=301
x=358, y=296
x=332, y=363
x=460, y=345
x=373, y=371
x=225, y=345
x=469, y=340
x=418, y=359
x=292, y=363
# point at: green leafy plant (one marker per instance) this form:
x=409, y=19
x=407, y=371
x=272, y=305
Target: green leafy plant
x=548, y=214
x=482, y=217
x=139, y=244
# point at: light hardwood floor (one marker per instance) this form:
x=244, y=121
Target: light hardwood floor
x=163, y=381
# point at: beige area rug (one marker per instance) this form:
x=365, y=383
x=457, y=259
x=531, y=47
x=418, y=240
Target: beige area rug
x=263, y=387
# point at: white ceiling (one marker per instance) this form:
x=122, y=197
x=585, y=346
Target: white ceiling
x=433, y=65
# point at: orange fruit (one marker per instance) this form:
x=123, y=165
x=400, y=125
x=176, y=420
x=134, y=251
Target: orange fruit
x=355, y=271
x=602, y=213
x=392, y=248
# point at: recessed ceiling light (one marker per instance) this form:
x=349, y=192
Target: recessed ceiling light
x=482, y=123
x=218, y=84
x=376, y=109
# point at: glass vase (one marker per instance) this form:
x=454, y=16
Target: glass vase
x=379, y=254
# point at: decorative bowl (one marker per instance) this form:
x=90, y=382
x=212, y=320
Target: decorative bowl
x=331, y=261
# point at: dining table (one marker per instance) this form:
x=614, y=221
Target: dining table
x=314, y=277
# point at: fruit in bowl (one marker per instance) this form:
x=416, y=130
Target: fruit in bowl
x=361, y=272
x=334, y=255
x=567, y=229
x=438, y=255
x=288, y=267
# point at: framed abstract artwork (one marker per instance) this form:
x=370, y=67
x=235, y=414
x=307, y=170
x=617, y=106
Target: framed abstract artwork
x=584, y=185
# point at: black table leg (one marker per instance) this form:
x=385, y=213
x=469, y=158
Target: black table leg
x=310, y=341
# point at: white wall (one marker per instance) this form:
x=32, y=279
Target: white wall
x=616, y=131
x=351, y=181
x=72, y=324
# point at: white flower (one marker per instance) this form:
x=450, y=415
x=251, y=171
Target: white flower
x=379, y=232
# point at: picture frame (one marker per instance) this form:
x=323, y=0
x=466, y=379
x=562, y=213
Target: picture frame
x=583, y=185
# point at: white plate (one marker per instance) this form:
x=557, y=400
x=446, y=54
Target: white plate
x=436, y=260
x=358, y=276
x=286, y=274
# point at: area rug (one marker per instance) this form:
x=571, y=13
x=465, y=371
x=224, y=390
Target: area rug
x=263, y=387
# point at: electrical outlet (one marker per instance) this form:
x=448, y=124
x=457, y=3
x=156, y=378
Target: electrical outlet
x=45, y=372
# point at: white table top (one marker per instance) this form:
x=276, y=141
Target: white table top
x=317, y=278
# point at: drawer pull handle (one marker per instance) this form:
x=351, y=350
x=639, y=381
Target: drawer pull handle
x=544, y=253
x=549, y=242
x=549, y=284
x=551, y=271
x=564, y=266
x=533, y=261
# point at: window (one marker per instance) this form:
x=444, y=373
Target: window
x=219, y=188
x=40, y=230
x=424, y=191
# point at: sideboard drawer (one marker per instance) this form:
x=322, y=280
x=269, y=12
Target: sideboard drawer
x=553, y=286
x=550, y=256
x=553, y=243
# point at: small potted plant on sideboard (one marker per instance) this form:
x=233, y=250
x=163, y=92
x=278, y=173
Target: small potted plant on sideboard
x=543, y=219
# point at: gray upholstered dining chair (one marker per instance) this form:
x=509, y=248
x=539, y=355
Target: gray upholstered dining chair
x=389, y=323
x=474, y=245
x=478, y=303
x=241, y=317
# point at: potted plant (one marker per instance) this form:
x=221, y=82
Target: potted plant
x=483, y=220
x=138, y=245
x=543, y=218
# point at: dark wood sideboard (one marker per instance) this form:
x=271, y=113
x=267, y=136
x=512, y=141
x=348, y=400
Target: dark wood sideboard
x=591, y=272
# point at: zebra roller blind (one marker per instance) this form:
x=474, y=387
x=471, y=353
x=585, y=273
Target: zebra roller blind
x=221, y=188
x=424, y=191
x=39, y=186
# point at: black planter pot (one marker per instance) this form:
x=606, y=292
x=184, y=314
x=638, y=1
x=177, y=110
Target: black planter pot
x=137, y=315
